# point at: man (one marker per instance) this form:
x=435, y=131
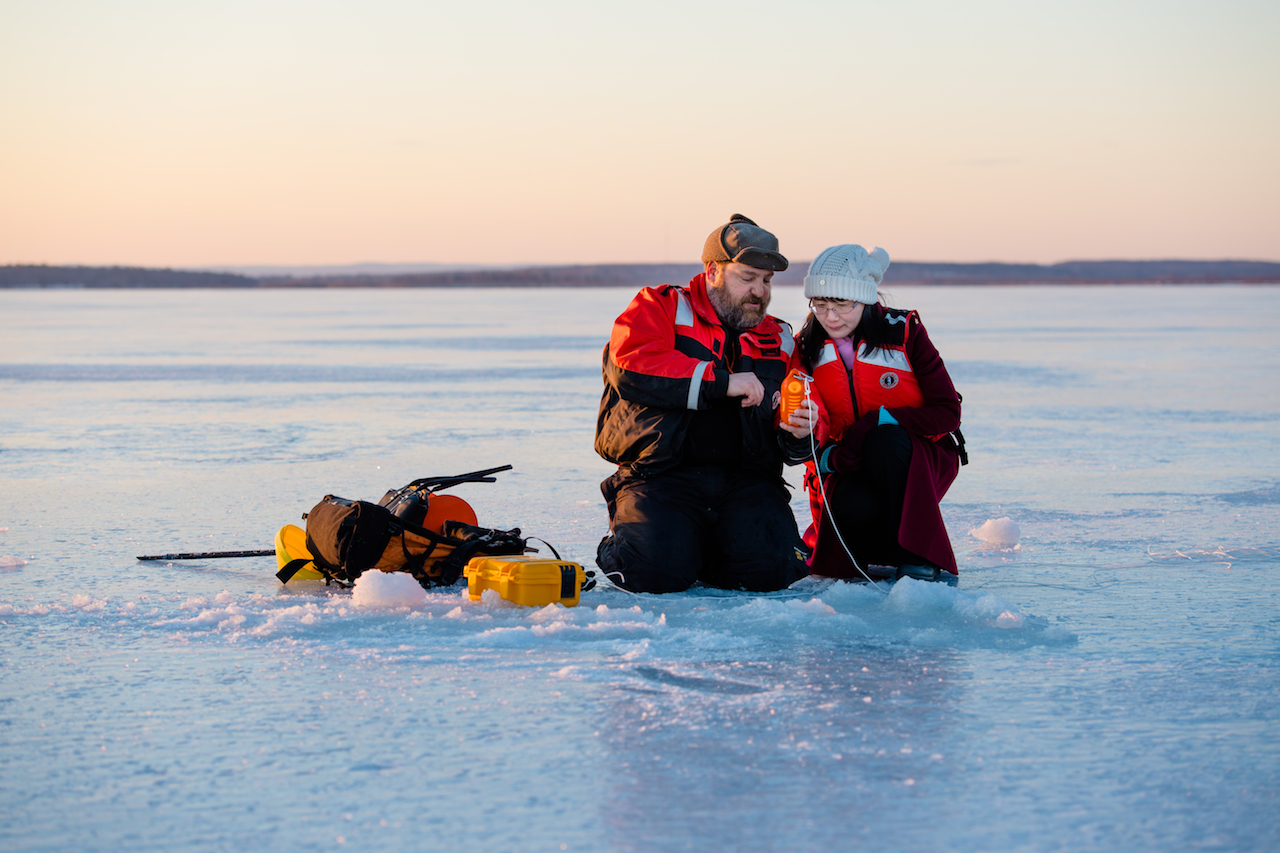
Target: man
x=692, y=381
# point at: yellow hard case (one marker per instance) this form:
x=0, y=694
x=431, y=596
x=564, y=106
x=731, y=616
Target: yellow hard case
x=528, y=580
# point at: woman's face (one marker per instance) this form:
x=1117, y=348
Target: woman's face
x=839, y=317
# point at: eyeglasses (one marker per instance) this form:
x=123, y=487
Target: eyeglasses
x=844, y=308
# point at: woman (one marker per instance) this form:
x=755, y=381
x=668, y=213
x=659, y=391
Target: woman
x=886, y=430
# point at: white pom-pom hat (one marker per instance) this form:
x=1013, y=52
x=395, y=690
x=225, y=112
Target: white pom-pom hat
x=846, y=272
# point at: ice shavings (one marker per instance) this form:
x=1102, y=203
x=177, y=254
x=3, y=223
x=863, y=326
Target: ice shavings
x=815, y=613
x=813, y=606
x=798, y=618
x=1220, y=555
x=615, y=630
x=491, y=598
x=1000, y=533
x=7, y=609
x=388, y=589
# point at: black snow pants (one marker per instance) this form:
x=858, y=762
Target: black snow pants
x=867, y=504
x=726, y=527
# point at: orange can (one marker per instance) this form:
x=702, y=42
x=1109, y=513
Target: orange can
x=793, y=392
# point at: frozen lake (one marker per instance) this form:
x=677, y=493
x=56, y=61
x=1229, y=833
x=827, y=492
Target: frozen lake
x=1110, y=683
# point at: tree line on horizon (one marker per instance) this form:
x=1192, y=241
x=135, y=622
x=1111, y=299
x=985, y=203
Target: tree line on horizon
x=641, y=275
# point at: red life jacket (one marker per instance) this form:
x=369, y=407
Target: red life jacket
x=881, y=377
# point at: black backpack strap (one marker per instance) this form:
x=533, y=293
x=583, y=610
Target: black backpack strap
x=414, y=562
x=451, y=566
x=291, y=568
x=958, y=437
x=398, y=524
x=548, y=544
x=339, y=582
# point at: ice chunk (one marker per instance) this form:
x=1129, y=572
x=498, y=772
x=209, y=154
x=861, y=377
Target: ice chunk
x=1001, y=532
x=11, y=564
x=388, y=589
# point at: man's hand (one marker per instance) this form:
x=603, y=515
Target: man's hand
x=803, y=420
x=746, y=386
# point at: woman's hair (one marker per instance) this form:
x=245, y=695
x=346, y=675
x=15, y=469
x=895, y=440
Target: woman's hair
x=871, y=330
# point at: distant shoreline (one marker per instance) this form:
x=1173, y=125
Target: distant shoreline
x=635, y=276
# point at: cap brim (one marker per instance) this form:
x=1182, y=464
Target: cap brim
x=761, y=259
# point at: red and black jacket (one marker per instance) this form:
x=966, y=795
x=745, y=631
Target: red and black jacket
x=669, y=357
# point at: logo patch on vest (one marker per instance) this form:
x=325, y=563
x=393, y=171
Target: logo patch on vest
x=888, y=380
x=777, y=399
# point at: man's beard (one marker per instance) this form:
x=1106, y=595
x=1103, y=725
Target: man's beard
x=738, y=315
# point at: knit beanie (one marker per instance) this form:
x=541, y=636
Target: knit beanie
x=846, y=272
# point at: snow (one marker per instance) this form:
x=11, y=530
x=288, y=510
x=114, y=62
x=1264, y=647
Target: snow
x=1109, y=682
x=1000, y=532
x=380, y=589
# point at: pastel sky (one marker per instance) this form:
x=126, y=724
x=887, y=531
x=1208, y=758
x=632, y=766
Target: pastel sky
x=189, y=133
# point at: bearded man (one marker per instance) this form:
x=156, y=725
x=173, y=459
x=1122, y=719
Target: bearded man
x=692, y=381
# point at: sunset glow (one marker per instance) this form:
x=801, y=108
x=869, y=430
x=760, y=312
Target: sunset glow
x=281, y=132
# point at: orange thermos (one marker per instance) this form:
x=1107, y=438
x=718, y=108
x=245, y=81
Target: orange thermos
x=793, y=392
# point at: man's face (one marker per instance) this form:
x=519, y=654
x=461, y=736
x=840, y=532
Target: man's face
x=740, y=293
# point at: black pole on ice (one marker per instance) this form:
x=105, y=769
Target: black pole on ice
x=210, y=555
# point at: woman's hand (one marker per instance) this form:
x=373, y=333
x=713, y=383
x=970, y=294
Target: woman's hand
x=802, y=420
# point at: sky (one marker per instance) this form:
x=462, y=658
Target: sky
x=185, y=133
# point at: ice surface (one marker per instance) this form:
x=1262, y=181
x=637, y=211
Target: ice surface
x=1110, y=684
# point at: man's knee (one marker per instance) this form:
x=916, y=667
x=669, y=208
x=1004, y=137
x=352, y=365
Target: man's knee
x=655, y=542
x=664, y=537
x=758, y=545
x=631, y=568
x=765, y=572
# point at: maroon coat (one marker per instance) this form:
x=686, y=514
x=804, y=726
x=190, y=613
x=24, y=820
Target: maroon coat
x=934, y=463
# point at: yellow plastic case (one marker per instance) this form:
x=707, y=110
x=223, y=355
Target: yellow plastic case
x=527, y=580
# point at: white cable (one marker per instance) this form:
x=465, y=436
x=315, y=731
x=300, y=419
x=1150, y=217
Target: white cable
x=826, y=504
x=603, y=581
